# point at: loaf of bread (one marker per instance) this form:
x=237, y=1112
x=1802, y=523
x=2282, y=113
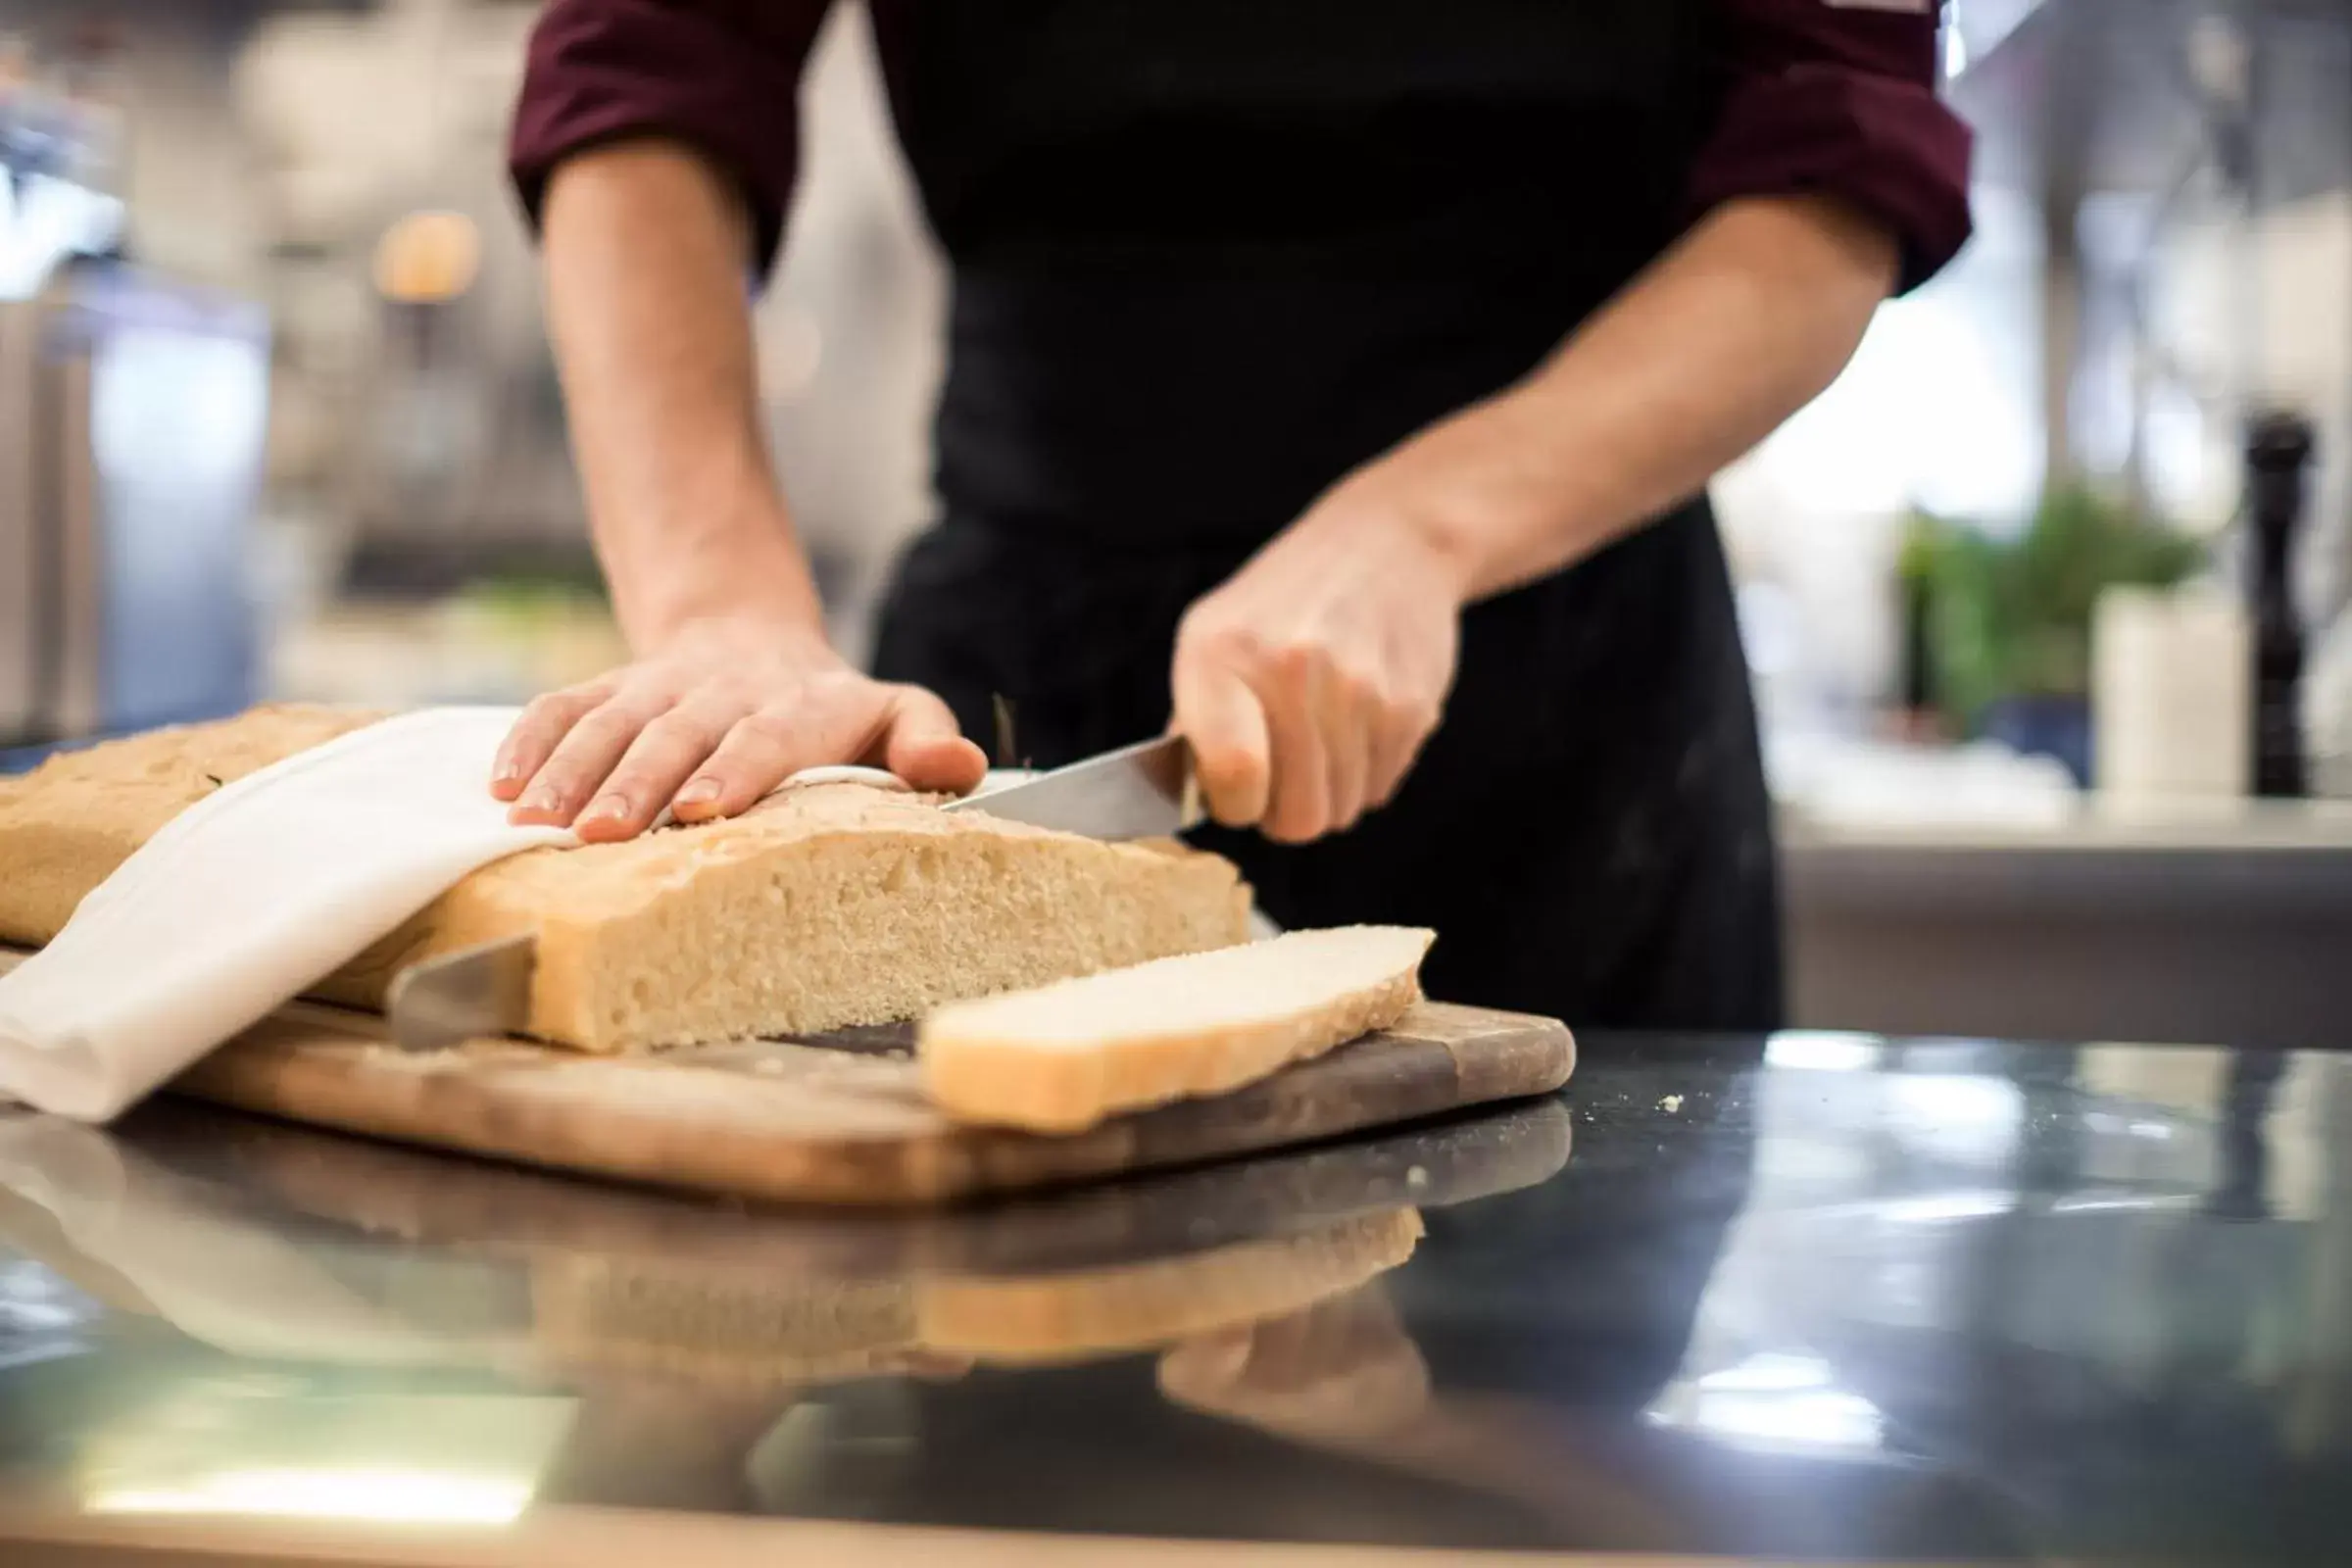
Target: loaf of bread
x=64, y=826
x=826, y=906
x=1064, y=1056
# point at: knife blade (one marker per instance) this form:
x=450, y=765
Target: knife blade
x=1145, y=791
x=474, y=994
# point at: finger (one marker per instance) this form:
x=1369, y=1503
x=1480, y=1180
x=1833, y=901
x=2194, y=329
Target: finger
x=1218, y=714
x=665, y=755
x=543, y=723
x=1298, y=810
x=922, y=743
x=585, y=759
x=1348, y=716
x=1400, y=737
x=1406, y=725
x=760, y=752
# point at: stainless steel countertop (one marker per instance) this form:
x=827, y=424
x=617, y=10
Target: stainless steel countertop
x=1819, y=1298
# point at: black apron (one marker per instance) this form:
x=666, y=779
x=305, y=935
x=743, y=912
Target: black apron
x=1210, y=255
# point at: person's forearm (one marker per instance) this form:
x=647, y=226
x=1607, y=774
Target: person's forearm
x=644, y=247
x=1740, y=326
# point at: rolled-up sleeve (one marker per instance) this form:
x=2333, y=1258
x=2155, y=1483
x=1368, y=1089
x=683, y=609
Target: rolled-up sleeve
x=721, y=77
x=1838, y=97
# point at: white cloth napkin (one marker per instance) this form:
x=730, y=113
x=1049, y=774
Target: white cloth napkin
x=246, y=900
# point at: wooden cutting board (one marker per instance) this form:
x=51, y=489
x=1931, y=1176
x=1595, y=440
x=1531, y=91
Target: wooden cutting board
x=836, y=1119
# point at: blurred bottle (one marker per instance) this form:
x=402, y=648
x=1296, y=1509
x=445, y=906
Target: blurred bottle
x=2327, y=704
x=2327, y=712
x=2171, y=692
x=2279, y=453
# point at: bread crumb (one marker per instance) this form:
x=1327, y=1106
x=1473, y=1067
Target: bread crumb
x=1416, y=1178
x=1671, y=1104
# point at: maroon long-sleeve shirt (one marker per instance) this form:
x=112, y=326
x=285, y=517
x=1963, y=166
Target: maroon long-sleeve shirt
x=1209, y=253
x=1832, y=96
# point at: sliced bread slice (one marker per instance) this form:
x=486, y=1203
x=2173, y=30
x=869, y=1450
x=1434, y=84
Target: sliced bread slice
x=1062, y=1058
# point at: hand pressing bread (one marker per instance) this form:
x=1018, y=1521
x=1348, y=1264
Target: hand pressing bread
x=711, y=721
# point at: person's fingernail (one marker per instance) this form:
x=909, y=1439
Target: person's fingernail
x=542, y=798
x=507, y=776
x=607, y=808
x=699, y=792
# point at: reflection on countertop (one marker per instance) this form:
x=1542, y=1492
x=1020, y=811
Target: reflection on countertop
x=1826, y=1297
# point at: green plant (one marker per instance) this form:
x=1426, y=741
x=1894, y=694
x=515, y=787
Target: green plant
x=2012, y=618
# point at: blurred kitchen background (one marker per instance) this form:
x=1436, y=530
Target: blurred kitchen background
x=276, y=420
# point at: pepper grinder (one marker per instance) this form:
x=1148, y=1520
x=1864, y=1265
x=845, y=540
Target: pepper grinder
x=2279, y=452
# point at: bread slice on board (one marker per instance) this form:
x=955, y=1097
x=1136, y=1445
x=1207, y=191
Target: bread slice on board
x=1063, y=1058
x=825, y=907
